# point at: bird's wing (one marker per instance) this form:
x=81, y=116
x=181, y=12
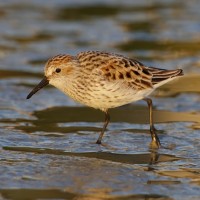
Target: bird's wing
x=117, y=68
x=126, y=72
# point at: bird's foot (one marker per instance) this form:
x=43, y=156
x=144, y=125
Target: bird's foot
x=155, y=143
x=98, y=141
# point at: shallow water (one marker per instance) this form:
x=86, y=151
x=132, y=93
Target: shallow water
x=48, y=148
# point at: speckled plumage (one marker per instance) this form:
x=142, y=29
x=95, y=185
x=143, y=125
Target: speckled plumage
x=104, y=80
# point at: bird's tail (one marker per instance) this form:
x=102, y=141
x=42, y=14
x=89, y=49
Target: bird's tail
x=161, y=76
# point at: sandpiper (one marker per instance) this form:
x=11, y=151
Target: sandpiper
x=105, y=80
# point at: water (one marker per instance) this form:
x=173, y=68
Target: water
x=48, y=148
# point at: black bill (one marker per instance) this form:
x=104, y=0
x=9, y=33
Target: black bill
x=42, y=84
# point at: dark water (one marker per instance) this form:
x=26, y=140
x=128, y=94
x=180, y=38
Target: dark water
x=48, y=148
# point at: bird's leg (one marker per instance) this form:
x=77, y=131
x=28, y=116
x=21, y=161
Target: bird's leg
x=107, y=120
x=154, y=136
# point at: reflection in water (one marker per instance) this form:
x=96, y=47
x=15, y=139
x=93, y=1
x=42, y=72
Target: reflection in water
x=49, y=119
x=88, y=167
x=147, y=158
x=25, y=194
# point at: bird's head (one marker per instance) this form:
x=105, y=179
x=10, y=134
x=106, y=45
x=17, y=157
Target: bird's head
x=56, y=69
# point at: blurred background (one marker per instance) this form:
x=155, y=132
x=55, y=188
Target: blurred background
x=47, y=145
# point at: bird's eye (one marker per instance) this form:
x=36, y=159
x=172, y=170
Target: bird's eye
x=58, y=70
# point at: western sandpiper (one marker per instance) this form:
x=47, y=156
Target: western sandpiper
x=104, y=80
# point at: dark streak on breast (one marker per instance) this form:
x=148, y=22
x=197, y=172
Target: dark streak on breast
x=121, y=76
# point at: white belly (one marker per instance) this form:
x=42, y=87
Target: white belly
x=102, y=97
